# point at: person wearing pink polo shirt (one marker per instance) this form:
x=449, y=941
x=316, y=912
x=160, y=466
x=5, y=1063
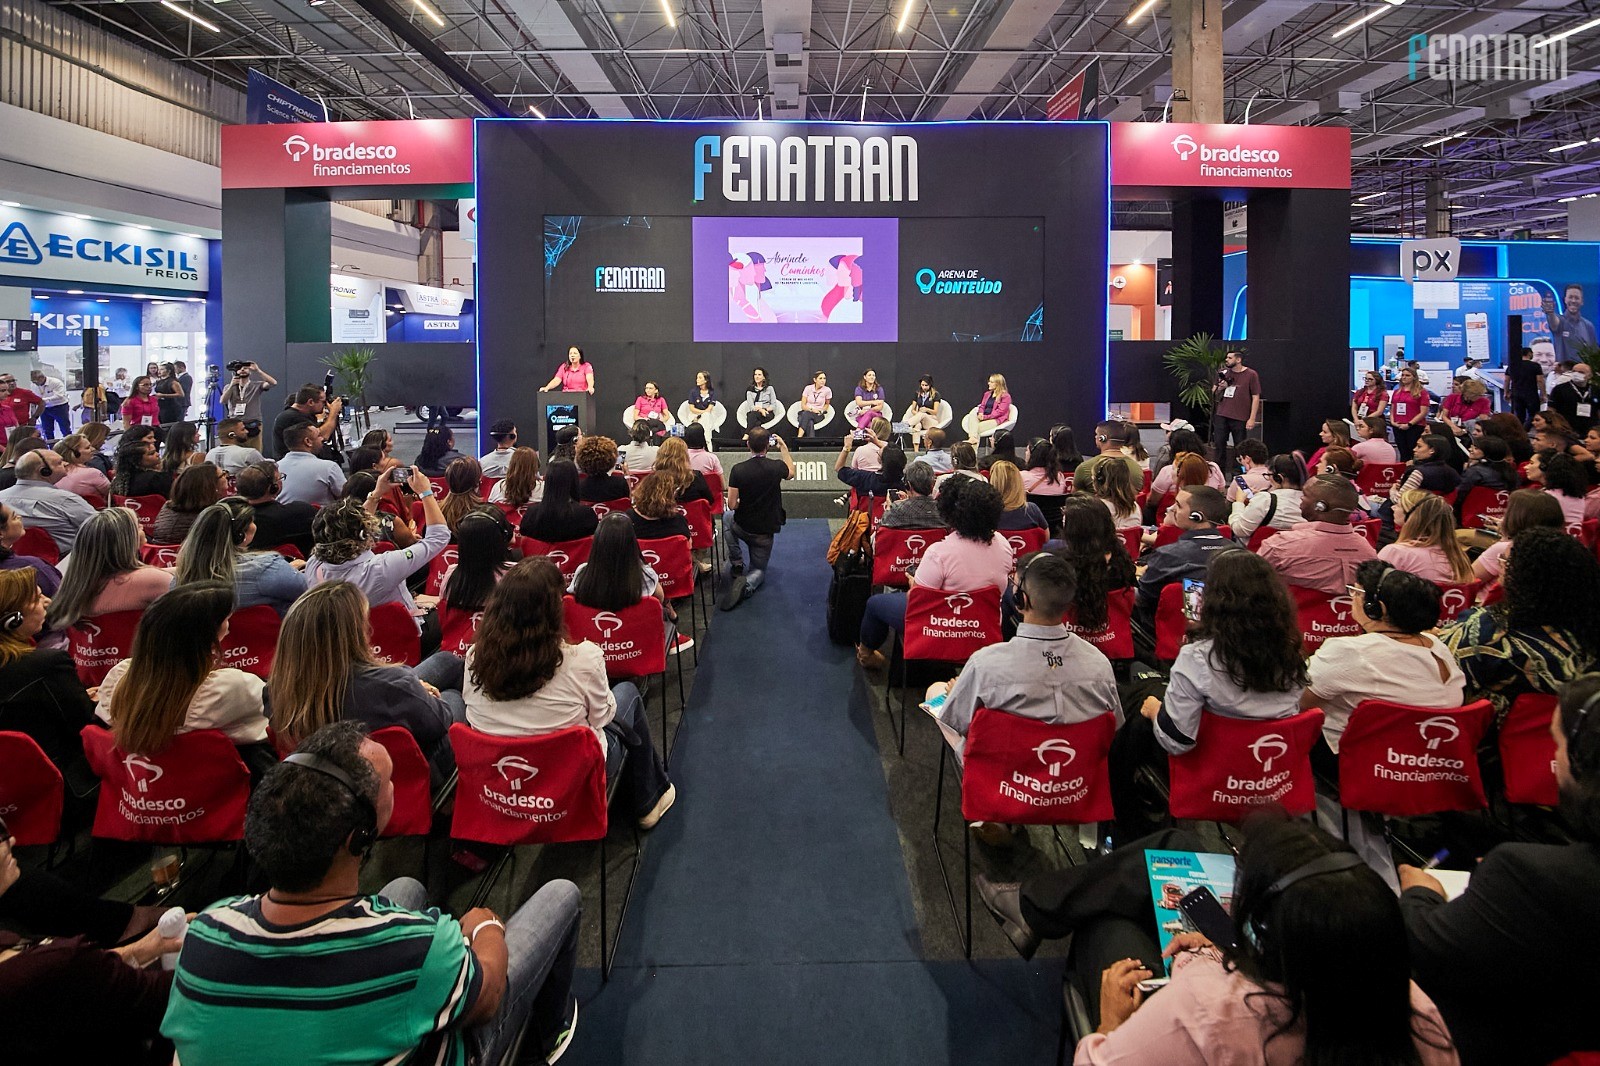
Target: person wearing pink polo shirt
x=575, y=375
x=1323, y=552
x=971, y=557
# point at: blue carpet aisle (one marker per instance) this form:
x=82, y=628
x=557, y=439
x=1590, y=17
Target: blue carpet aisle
x=773, y=921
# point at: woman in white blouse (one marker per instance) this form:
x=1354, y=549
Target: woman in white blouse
x=524, y=678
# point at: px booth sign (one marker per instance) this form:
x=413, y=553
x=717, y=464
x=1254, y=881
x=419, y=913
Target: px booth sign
x=1436, y=259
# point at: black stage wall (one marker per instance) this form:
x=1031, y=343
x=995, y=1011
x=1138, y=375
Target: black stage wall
x=991, y=200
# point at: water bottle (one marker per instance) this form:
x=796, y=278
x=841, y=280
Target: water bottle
x=173, y=925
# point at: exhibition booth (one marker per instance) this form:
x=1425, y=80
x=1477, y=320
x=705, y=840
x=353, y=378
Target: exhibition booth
x=798, y=247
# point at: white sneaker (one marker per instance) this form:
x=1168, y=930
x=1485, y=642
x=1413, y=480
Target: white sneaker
x=564, y=1041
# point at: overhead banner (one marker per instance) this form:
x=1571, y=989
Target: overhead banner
x=268, y=100
x=1078, y=98
x=430, y=151
x=51, y=247
x=1157, y=155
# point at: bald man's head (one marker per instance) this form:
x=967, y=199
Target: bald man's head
x=1329, y=498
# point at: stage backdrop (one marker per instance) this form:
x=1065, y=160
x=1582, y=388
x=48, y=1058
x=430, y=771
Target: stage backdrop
x=664, y=248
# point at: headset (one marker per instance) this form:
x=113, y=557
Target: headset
x=362, y=837
x=1331, y=863
x=11, y=621
x=1023, y=601
x=1372, y=596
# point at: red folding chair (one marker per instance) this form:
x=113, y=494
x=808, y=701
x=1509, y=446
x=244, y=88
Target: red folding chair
x=1262, y=535
x=39, y=544
x=31, y=791
x=605, y=507
x=100, y=642
x=144, y=508
x=252, y=640
x=413, y=796
x=673, y=563
x=396, y=641
x=441, y=487
x=944, y=626
x=193, y=791
x=1588, y=531
x=1528, y=751
x=1025, y=541
x=1402, y=761
x=488, y=485
x=1133, y=537
x=568, y=555
x=1171, y=624
x=457, y=629
x=381, y=546
x=1375, y=479
x=714, y=483
x=702, y=537
x=1239, y=765
x=1455, y=597
x=1370, y=528
x=1165, y=505
x=1323, y=616
x=878, y=504
x=1021, y=771
x=437, y=567
x=1481, y=503
x=95, y=500
x=288, y=551
x=548, y=789
x=162, y=555
x=1145, y=482
x=634, y=642
x=1169, y=534
x=1115, y=638
x=896, y=551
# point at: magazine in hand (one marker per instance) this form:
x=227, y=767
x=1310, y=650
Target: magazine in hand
x=1173, y=875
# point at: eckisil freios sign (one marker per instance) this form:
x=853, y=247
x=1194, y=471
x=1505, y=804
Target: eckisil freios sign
x=814, y=168
x=48, y=246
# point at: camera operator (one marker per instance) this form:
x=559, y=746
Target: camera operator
x=242, y=397
x=309, y=406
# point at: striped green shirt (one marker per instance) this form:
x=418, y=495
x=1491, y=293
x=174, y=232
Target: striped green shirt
x=368, y=983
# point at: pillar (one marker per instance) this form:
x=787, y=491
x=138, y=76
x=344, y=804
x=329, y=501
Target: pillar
x=1197, y=60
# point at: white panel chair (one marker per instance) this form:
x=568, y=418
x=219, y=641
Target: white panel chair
x=970, y=423
x=945, y=415
x=794, y=415
x=712, y=419
x=742, y=415
x=851, y=410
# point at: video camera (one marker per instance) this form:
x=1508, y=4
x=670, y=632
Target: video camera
x=237, y=365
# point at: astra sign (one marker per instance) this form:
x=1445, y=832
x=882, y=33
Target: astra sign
x=1181, y=154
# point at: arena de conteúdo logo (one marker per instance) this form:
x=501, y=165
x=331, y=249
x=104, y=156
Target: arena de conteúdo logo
x=943, y=281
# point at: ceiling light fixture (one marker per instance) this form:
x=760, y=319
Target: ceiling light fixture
x=666, y=9
x=1370, y=196
x=424, y=7
x=1368, y=17
x=1567, y=200
x=1568, y=147
x=74, y=292
x=1564, y=34
x=1140, y=12
x=190, y=15
x=9, y=203
x=535, y=112
x=1444, y=139
x=315, y=3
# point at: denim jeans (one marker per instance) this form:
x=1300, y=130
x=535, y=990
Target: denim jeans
x=885, y=611
x=760, y=551
x=446, y=671
x=542, y=951
x=630, y=752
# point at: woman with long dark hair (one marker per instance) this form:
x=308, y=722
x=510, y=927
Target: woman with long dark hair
x=524, y=678
x=484, y=555
x=923, y=413
x=1066, y=446
x=761, y=397
x=1279, y=506
x=106, y=574
x=1525, y=509
x=559, y=515
x=1113, y=486
x=139, y=470
x=616, y=576
x=463, y=480
x=438, y=451
x=170, y=395
x=521, y=485
x=40, y=694
x=181, y=448
x=1098, y=557
x=193, y=490
x=1242, y=659
x=1488, y=466
x=1003, y=449
x=141, y=408
x=171, y=682
x=1544, y=633
x=1509, y=429
x=1043, y=475
x=1563, y=479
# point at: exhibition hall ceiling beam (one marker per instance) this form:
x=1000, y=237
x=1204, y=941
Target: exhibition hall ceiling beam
x=572, y=53
x=1013, y=27
x=786, y=28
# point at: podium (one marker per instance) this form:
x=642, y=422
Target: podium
x=557, y=409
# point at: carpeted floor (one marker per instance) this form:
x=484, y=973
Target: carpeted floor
x=773, y=920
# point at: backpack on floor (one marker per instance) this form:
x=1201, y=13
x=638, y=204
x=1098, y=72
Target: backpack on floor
x=847, y=594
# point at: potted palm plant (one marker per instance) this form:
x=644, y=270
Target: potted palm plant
x=352, y=368
x=1194, y=364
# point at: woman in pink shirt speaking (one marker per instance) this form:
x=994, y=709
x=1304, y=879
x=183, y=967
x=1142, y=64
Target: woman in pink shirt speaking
x=575, y=375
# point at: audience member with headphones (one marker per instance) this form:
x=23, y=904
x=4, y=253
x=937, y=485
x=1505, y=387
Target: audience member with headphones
x=218, y=549
x=233, y=452
x=1322, y=552
x=40, y=694
x=1115, y=443
x=1317, y=971
x=456, y=989
x=1395, y=658
x=1506, y=960
x=1197, y=513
